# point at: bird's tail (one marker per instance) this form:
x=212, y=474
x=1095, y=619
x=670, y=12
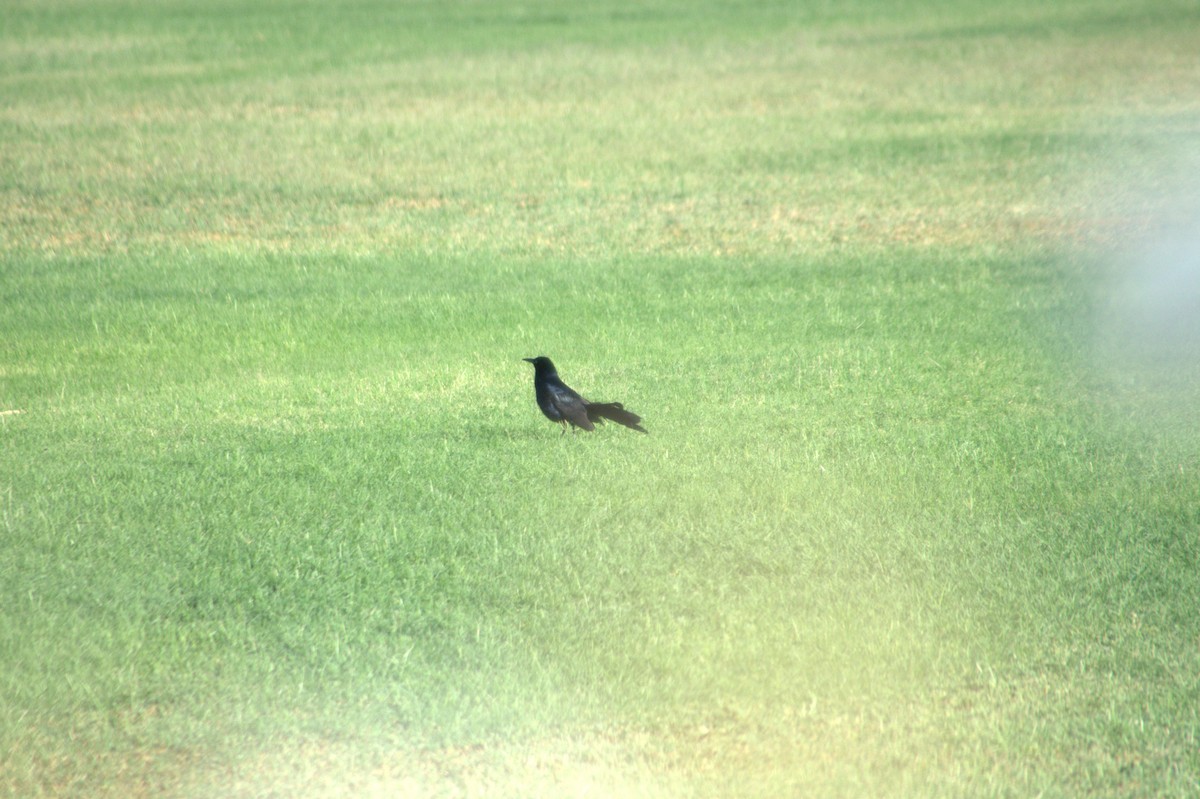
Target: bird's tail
x=616, y=412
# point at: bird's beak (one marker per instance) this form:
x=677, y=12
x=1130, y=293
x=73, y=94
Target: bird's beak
x=531, y=360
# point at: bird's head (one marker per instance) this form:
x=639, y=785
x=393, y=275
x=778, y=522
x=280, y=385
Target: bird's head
x=541, y=363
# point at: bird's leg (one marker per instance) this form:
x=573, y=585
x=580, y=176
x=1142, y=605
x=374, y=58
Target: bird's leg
x=563, y=422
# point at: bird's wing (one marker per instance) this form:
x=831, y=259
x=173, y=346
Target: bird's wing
x=572, y=406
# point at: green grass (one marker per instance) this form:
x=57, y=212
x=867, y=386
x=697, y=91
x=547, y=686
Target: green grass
x=906, y=293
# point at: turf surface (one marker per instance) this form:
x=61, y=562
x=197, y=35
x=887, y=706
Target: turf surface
x=906, y=293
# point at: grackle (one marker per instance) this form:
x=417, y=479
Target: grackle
x=560, y=403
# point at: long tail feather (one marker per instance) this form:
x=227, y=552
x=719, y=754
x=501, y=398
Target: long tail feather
x=616, y=412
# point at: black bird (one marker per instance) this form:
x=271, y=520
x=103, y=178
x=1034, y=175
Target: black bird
x=562, y=404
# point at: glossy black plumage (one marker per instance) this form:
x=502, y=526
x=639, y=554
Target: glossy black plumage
x=560, y=403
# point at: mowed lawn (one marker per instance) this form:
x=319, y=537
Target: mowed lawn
x=908, y=295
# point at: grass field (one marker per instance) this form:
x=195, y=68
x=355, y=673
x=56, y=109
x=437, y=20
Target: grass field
x=907, y=293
